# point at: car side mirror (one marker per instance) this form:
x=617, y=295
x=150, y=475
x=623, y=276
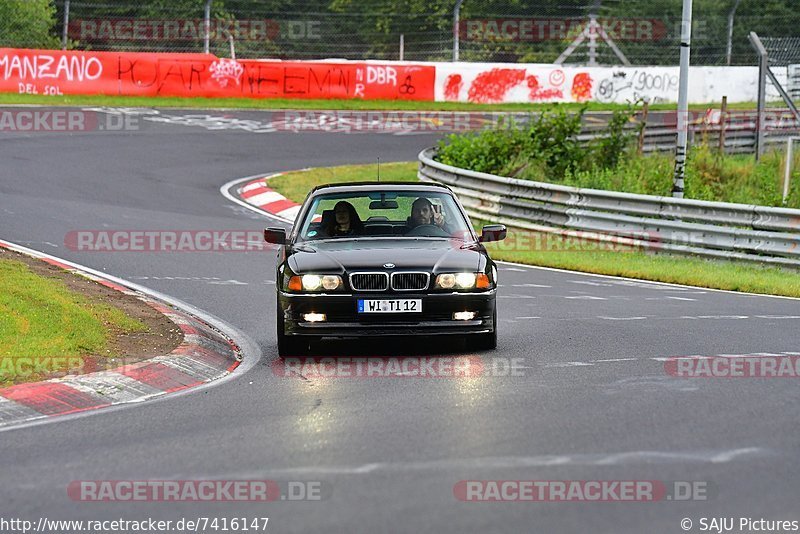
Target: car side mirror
x=276, y=236
x=493, y=232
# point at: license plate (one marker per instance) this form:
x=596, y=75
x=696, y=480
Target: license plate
x=390, y=306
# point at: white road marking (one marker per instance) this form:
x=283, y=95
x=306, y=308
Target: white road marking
x=181, y=278
x=633, y=281
x=737, y=317
x=225, y=192
x=528, y=317
x=681, y=298
x=639, y=318
x=585, y=297
x=617, y=360
x=516, y=462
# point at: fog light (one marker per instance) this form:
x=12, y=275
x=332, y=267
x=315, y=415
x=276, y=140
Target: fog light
x=314, y=317
x=463, y=316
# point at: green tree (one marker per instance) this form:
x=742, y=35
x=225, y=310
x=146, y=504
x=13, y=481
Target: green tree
x=27, y=24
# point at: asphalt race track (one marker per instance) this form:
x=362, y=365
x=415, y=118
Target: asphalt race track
x=593, y=401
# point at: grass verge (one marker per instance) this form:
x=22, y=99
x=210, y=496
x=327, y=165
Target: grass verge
x=545, y=250
x=40, y=318
x=327, y=104
x=296, y=185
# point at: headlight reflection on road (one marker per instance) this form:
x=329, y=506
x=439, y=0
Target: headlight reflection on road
x=472, y=390
x=316, y=419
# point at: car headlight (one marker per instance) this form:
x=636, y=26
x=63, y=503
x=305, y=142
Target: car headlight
x=462, y=281
x=315, y=282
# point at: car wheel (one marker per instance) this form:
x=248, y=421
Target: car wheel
x=288, y=345
x=489, y=341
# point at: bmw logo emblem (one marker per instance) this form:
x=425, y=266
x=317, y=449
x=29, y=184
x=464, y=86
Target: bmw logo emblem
x=388, y=265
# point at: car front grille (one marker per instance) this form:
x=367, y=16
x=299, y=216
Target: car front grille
x=369, y=281
x=409, y=281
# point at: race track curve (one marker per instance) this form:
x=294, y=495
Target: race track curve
x=593, y=401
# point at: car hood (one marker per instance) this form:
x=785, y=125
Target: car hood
x=340, y=256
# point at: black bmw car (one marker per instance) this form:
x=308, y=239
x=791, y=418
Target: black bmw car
x=383, y=259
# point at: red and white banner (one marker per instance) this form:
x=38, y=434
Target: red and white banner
x=492, y=83
x=56, y=72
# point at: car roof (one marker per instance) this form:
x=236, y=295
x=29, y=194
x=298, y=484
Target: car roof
x=345, y=187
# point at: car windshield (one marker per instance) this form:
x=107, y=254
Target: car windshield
x=384, y=214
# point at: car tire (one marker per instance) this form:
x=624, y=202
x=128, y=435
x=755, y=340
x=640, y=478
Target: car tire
x=288, y=345
x=488, y=341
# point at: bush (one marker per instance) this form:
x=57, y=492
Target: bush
x=546, y=149
x=28, y=24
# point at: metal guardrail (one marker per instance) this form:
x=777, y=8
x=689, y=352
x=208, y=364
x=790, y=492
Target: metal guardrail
x=739, y=128
x=684, y=226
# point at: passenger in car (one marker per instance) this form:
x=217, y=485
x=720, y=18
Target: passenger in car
x=345, y=221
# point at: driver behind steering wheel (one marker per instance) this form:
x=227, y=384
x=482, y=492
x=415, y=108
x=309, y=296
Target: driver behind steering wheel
x=422, y=213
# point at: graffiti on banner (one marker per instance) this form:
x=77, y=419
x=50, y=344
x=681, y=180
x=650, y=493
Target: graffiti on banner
x=202, y=75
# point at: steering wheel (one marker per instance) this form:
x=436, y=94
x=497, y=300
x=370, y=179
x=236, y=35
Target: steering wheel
x=427, y=230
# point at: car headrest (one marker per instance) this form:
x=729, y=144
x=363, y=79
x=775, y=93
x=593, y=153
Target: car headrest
x=328, y=218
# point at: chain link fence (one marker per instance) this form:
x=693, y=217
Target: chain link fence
x=603, y=32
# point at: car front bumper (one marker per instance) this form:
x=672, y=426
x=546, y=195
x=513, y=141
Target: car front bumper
x=343, y=319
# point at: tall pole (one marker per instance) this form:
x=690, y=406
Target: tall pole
x=729, y=49
x=206, y=26
x=594, y=30
x=456, y=30
x=683, y=102
x=64, y=31
x=761, y=106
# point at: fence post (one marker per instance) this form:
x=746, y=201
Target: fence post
x=402, y=46
x=456, y=29
x=723, y=119
x=206, y=26
x=729, y=48
x=645, y=111
x=232, y=44
x=64, y=31
x=787, y=174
